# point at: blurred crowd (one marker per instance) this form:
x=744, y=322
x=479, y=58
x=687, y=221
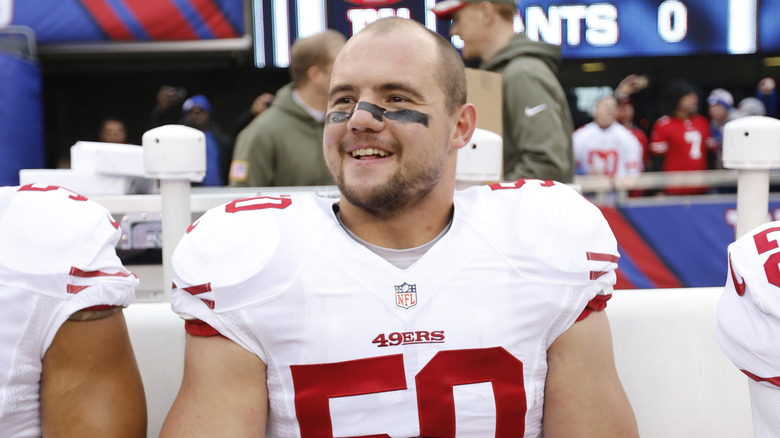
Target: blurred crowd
x=639, y=125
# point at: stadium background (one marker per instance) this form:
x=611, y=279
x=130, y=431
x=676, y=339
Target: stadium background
x=109, y=57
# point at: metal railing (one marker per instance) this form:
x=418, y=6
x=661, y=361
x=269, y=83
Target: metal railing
x=606, y=189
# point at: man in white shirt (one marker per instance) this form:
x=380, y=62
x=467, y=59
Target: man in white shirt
x=604, y=147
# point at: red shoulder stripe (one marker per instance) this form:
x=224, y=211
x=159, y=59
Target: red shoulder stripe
x=73, y=289
x=199, y=289
x=76, y=272
x=601, y=257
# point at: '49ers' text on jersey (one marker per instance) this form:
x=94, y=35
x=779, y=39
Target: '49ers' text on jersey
x=355, y=346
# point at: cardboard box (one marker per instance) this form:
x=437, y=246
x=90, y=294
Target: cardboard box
x=484, y=91
x=87, y=183
x=481, y=161
x=107, y=158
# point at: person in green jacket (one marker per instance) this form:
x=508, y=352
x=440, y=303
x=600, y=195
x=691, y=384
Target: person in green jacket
x=283, y=146
x=537, y=121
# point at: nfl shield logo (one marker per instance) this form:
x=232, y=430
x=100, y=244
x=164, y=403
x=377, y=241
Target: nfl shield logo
x=406, y=296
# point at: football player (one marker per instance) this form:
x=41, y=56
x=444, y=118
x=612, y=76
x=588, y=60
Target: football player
x=67, y=368
x=749, y=321
x=402, y=308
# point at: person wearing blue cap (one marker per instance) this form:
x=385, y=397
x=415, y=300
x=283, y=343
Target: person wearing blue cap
x=219, y=146
x=720, y=109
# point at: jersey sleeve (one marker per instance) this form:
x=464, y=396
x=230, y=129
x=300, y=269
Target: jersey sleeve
x=659, y=143
x=570, y=238
x=240, y=254
x=559, y=236
x=60, y=244
x=214, y=261
x=749, y=309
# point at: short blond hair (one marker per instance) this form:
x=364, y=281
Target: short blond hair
x=316, y=50
x=506, y=11
x=449, y=68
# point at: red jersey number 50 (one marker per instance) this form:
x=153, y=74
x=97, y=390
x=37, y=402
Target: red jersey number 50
x=316, y=384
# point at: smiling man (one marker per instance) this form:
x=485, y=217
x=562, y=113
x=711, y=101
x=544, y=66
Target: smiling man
x=537, y=121
x=403, y=308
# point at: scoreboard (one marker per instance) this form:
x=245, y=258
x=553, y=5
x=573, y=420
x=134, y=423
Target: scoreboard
x=278, y=22
x=594, y=29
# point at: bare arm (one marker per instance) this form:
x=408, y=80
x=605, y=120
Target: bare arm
x=583, y=394
x=223, y=392
x=90, y=384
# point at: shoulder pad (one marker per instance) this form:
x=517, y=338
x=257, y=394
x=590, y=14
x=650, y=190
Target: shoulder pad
x=249, y=242
x=548, y=227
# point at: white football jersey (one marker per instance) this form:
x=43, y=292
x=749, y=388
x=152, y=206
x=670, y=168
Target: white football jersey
x=355, y=346
x=614, y=151
x=749, y=310
x=57, y=257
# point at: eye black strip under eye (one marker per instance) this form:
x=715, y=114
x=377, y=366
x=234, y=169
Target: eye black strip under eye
x=408, y=116
x=402, y=116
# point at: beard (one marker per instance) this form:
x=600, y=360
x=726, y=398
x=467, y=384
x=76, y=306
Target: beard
x=407, y=186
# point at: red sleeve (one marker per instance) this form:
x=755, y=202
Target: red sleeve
x=773, y=380
x=597, y=304
x=197, y=327
x=98, y=307
x=658, y=143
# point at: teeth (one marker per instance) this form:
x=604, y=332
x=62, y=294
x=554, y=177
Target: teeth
x=368, y=151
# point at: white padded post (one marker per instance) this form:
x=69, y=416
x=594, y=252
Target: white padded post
x=481, y=160
x=752, y=145
x=176, y=155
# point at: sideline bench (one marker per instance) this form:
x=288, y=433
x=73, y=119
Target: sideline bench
x=679, y=382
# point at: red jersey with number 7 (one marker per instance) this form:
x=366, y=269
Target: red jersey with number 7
x=684, y=144
x=355, y=346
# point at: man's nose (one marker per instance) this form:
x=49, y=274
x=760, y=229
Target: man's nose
x=367, y=116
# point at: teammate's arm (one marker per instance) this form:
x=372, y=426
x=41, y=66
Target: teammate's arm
x=583, y=394
x=90, y=384
x=223, y=392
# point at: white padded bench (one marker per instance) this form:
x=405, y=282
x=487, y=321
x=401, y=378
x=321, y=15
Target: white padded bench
x=678, y=381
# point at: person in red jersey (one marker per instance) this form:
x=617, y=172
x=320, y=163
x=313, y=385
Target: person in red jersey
x=682, y=139
x=403, y=308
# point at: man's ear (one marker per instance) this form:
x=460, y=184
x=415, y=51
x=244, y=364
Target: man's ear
x=466, y=124
x=312, y=72
x=488, y=10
